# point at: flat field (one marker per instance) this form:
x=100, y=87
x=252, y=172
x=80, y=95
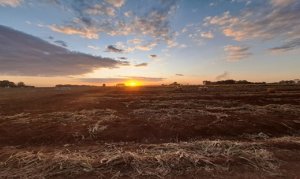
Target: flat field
x=236, y=131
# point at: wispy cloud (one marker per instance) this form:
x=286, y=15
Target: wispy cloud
x=99, y=9
x=142, y=78
x=61, y=43
x=288, y=46
x=141, y=65
x=121, y=79
x=207, y=35
x=134, y=45
x=153, y=23
x=89, y=33
x=11, y=3
x=23, y=54
x=135, y=41
x=113, y=49
x=272, y=19
x=282, y=3
x=94, y=47
x=153, y=56
x=116, y=3
x=146, y=47
x=179, y=74
x=236, y=53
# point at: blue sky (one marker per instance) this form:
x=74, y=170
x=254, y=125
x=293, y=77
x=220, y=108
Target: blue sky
x=155, y=42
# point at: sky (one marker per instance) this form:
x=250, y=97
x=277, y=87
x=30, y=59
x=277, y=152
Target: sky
x=49, y=42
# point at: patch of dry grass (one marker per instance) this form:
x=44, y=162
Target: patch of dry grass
x=64, y=116
x=259, y=110
x=157, y=160
x=185, y=110
x=174, y=114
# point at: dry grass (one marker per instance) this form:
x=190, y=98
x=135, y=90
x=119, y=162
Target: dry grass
x=174, y=114
x=178, y=110
x=259, y=110
x=64, y=116
x=157, y=160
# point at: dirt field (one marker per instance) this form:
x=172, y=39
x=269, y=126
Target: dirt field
x=150, y=132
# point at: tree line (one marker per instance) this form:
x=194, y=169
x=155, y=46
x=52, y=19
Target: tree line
x=9, y=84
x=230, y=82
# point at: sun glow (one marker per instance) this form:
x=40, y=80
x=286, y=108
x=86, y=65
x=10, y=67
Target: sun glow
x=133, y=83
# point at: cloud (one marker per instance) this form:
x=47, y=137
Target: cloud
x=288, y=46
x=141, y=65
x=123, y=58
x=208, y=35
x=172, y=43
x=61, y=43
x=94, y=47
x=113, y=49
x=153, y=56
x=135, y=44
x=23, y=54
x=146, y=47
x=248, y=2
x=236, y=53
x=99, y=9
x=178, y=74
x=151, y=23
x=146, y=79
x=212, y=4
x=121, y=79
x=103, y=80
x=282, y=3
x=11, y=3
x=223, y=76
x=116, y=3
x=155, y=24
x=182, y=46
x=89, y=33
x=135, y=41
x=273, y=19
x=128, y=14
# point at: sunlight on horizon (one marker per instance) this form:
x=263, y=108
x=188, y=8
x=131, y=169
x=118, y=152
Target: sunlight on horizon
x=133, y=83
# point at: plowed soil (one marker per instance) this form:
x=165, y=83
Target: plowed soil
x=50, y=119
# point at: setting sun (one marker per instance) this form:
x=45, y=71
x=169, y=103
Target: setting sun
x=133, y=83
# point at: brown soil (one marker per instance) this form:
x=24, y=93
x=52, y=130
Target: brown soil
x=53, y=117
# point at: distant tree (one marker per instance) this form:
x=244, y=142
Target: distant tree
x=207, y=82
x=287, y=82
x=7, y=84
x=229, y=82
x=21, y=84
x=225, y=82
x=243, y=82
